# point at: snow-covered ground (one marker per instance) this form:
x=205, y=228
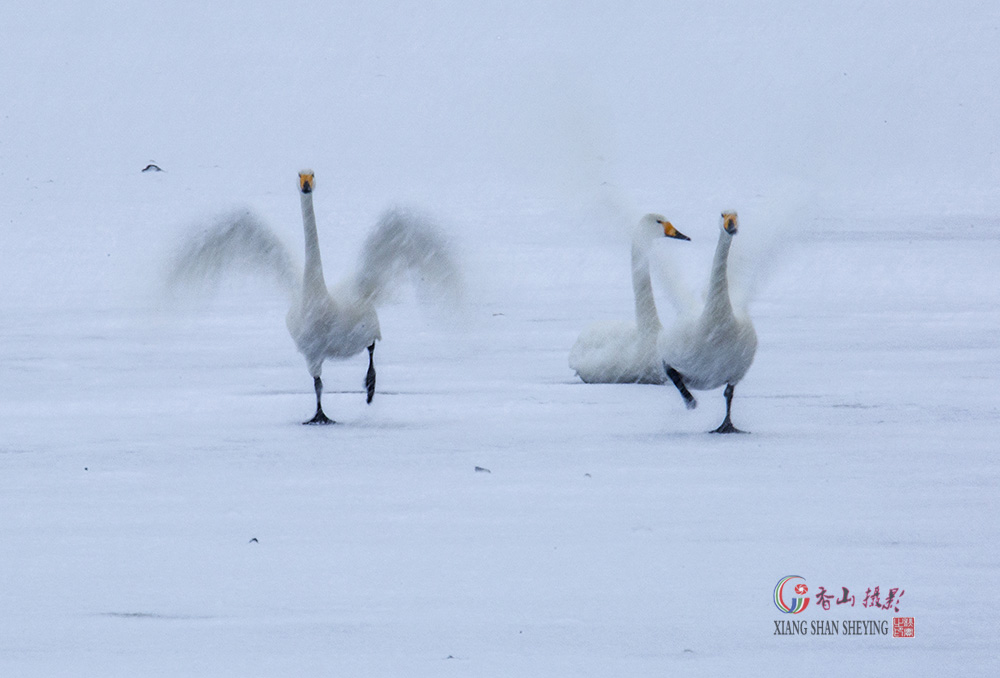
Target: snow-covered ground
x=162, y=512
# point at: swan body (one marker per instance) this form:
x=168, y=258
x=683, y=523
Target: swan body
x=326, y=323
x=717, y=346
x=622, y=352
x=321, y=326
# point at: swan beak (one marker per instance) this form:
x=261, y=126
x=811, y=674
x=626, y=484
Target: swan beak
x=306, y=181
x=671, y=232
x=729, y=222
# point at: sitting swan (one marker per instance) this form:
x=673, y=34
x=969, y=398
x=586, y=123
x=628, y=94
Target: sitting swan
x=718, y=346
x=325, y=325
x=623, y=353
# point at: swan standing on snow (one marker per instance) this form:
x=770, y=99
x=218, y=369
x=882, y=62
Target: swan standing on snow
x=622, y=353
x=325, y=324
x=718, y=346
x=320, y=327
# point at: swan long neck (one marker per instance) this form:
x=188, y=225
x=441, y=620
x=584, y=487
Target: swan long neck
x=718, y=286
x=646, y=317
x=313, y=278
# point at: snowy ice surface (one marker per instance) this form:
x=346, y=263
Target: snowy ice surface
x=163, y=512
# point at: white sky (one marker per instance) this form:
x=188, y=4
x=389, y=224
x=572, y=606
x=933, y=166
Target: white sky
x=860, y=98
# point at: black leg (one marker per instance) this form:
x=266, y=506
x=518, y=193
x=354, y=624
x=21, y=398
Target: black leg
x=320, y=418
x=675, y=376
x=370, y=377
x=727, y=424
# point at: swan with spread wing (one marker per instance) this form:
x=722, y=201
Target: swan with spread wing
x=716, y=346
x=324, y=323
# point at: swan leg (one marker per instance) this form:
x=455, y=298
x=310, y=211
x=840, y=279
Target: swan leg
x=727, y=424
x=370, y=377
x=320, y=418
x=675, y=376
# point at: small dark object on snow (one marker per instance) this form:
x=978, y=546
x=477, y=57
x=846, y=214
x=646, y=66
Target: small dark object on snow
x=253, y=541
x=480, y=469
x=151, y=168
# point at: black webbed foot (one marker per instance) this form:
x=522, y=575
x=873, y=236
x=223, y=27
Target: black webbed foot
x=320, y=418
x=727, y=424
x=727, y=427
x=370, y=377
x=678, y=380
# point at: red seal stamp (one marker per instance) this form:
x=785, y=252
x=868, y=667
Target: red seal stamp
x=902, y=627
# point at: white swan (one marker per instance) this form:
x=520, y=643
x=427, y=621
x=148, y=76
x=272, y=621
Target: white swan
x=620, y=352
x=325, y=325
x=717, y=347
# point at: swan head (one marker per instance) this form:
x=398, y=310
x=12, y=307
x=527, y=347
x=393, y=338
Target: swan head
x=730, y=224
x=307, y=181
x=654, y=226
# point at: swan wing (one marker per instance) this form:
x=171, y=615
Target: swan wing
x=237, y=241
x=404, y=242
x=681, y=296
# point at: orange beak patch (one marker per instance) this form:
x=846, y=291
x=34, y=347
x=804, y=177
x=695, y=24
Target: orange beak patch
x=671, y=232
x=729, y=222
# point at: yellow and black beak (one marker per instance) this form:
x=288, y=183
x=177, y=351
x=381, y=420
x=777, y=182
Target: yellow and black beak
x=306, y=181
x=729, y=222
x=671, y=232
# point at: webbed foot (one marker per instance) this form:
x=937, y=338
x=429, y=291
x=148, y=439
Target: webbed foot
x=678, y=380
x=320, y=418
x=370, y=376
x=727, y=423
x=727, y=427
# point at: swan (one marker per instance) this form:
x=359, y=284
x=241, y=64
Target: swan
x=717, y=346
x=324, y=323
x=620, y=352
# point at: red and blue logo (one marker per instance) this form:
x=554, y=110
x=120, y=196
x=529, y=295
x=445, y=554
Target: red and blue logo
x=798, y=604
